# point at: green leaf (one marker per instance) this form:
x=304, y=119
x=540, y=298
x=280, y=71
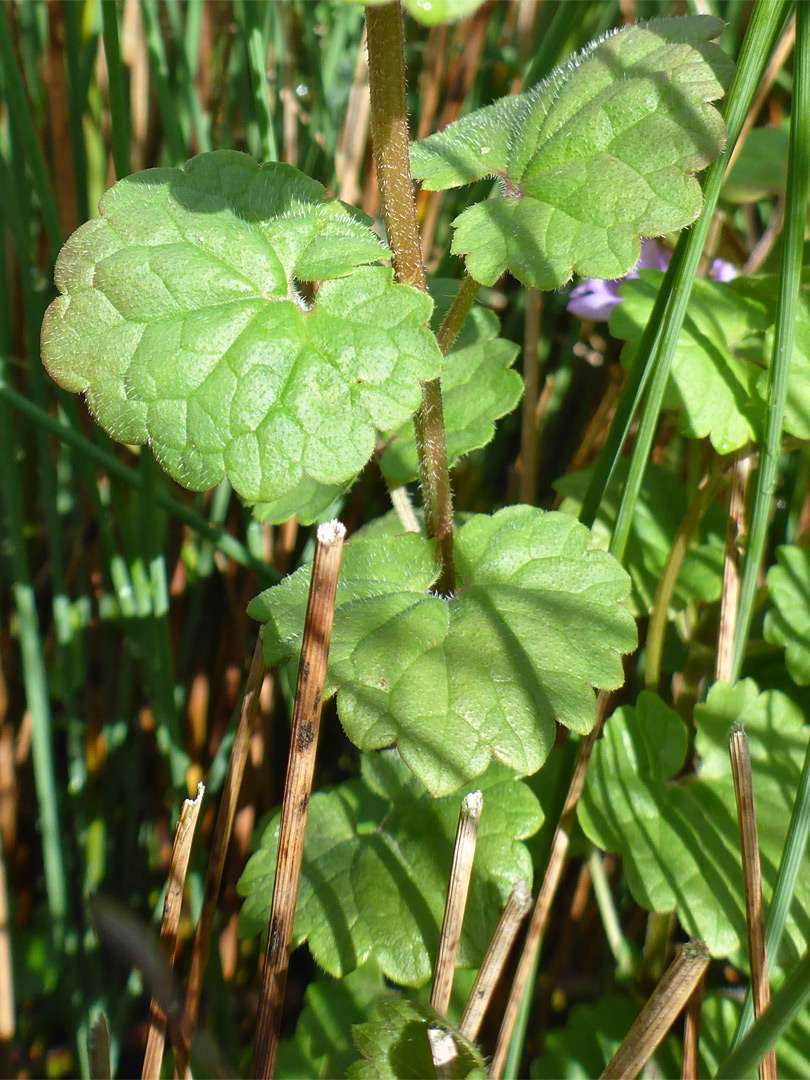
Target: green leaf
x=322, y=1045
x=396, y=1046
x=598, y=155
x=376, y=865
x=788, y=621
x=181, y=320
x=591, y=1036
x=678, y=838
x=478, y=387
x=429, y=12
x=760, y=168
x=537, y=623
x=661, y=507
x=718, y=362
x=307, y=502
x=718, y=1022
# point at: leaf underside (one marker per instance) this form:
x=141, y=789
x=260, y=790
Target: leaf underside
x=538, y=621
x=182, y=321
x=593, y=158
x=679, y=840
x=375, y=870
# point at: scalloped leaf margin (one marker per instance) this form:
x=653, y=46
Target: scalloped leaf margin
x=596, y=156
x=182, y=320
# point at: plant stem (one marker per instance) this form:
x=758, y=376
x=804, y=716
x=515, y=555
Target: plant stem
x=752, y=882
x=460, y=873
x=172, y=905
x=389, y=130
x=297, y=790
x=658, y=1015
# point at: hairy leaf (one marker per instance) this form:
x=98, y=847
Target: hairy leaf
x=396, y=1046
x=593, y=158
x=718, y=358
x=181, y=320
x=376, y=864
x=538, y=621
x=788, y=621
x=660, y=509
x=478, y=387
x=678, y=838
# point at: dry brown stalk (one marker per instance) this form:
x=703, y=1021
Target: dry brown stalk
x=351, y=147
x=460, y=872
x=516, y=910
x=659, y=1014
x=221, y=839
x=297, y=789
x=548, y=890
x=731, y=573
x=691, y=1033
x=172, y=906
x=98, y=1048
x=752, y=883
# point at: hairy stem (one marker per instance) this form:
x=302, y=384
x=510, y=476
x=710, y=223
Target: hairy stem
x=389, y=130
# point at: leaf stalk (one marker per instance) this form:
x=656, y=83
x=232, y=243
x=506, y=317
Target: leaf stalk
x=389, y=131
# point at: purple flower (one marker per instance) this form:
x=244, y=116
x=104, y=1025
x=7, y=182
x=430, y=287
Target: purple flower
x=720, y=270
x=594, y=299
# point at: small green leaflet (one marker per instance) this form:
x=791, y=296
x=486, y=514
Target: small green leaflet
x=717, y=362
x=661, y=507
x=181, y=320
x=678, y=838
x=376, y=865
x=396, y=1047
x=538, y=621
x=322, y=1045
x=788, y=621
x=596, y=156
x=478, y=387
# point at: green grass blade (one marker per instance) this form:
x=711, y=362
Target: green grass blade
x=249, y=18
x=226, y=543
x=785, y=1005
x=171, y=116
x=22, y=122
x=119, y=125
x=766, y=20
x=790, y=279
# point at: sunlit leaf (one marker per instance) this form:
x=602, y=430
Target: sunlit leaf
x=598, y=155
x=538, y=621
x=182, y=321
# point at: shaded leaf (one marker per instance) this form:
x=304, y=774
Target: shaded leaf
x=376, y=865
x=322, y=1046
x=678, y=838
x=788, y=621
x=591, y=1036
x=478, y=387
x=660, y=509
x=537, y=623
x=307, y=503
x=760, y=168
x=396, y=1046
x=718, y=1022
x=593, y=158
x=718, y=358
x=181, y=321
